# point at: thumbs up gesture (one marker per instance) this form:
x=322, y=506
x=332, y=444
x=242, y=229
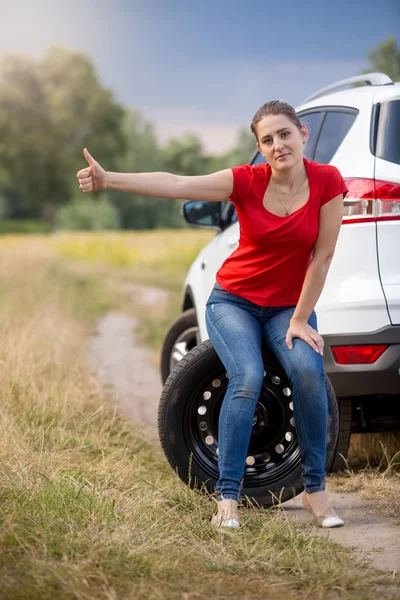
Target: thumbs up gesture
x=92, y=178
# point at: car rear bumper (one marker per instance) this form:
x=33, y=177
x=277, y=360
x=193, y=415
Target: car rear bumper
x=381, y=377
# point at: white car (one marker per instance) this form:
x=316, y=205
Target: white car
x=358, y=131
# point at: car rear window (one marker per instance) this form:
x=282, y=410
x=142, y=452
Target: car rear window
x=313, y=122
x=334, y=129
x=388, y=138
x=258, y=159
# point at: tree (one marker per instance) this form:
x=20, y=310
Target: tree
x=245, y=147
x=185, y=156
x=49, y=110
x=385, y=58
x=143, y=154
x=240, y=154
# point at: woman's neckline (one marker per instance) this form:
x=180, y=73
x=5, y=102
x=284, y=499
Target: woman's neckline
x=269, y=174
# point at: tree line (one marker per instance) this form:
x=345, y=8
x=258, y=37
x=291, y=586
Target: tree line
x=53, y=107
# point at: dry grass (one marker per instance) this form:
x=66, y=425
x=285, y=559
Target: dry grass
x=373, y=471
x=163, y=258
x=373, y=465
x=87, y=509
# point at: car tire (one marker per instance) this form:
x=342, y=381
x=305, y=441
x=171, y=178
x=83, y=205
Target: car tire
x=182, y=336
x=343, y=443
x=188, y=428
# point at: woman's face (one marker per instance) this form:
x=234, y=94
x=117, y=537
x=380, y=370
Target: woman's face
x=280, y=141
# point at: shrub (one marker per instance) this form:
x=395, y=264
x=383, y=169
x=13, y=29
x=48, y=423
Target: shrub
x=86, y=214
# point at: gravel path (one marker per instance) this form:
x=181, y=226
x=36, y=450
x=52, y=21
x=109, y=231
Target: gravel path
x=123, y=365
x=365, y=529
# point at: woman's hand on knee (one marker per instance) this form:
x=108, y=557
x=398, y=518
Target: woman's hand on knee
x=300, y=329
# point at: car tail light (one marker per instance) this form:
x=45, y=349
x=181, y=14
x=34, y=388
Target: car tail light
x=358, y=355
x=371, y=200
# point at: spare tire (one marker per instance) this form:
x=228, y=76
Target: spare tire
x=188, y=428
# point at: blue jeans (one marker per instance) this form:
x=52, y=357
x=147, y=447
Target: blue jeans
x=237, y=328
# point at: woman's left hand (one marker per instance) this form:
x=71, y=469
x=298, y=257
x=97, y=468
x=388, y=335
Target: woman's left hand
x=301, y=329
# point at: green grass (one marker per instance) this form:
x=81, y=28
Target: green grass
x=159, y=257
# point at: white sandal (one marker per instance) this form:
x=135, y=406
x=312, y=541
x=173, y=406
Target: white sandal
x=227, y=514
x=330, y=519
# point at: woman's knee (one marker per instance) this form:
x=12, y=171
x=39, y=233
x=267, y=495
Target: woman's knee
x=247, y=381
x=307, y=376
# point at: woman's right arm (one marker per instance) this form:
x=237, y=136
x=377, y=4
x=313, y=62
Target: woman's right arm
x=214, y=187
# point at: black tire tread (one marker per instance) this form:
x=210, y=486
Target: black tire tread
x=343, y=443
x=172, y=379
x=186, y=320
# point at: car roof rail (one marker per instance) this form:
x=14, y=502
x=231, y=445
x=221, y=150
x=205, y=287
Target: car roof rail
x=368, y=78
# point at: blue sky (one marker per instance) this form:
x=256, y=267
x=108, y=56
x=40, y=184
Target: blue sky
x=205, y=66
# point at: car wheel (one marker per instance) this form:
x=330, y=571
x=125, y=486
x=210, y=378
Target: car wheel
x=182, y=337
x=188, y=428
x=343, y=443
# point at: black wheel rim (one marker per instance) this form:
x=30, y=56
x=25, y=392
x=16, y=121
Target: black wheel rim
x=273, y=449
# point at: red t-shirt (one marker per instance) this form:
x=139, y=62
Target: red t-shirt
x=271, y=261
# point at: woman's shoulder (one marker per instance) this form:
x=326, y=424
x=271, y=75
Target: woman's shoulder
x=250, y=173
x=259, y=168
x=248, y=180
x=328, y=180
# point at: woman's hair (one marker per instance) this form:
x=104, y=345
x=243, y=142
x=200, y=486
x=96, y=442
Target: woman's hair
x=274, y=107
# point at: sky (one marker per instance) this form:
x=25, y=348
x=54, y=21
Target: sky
x=205, y=67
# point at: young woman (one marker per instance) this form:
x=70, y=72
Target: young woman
x=290, y=213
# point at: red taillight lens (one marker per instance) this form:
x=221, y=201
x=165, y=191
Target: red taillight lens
x=371, y=200
x=358, y=355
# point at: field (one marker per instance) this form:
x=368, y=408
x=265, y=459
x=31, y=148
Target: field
x=88, y=509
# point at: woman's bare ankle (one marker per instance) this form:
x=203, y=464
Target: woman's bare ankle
x=319, y=501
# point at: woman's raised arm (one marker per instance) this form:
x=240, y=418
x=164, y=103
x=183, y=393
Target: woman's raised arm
x=214, y=187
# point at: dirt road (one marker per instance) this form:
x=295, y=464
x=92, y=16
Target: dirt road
x=123, y=365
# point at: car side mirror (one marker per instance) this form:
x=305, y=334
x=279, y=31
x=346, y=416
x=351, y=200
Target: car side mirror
x=202, y=213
